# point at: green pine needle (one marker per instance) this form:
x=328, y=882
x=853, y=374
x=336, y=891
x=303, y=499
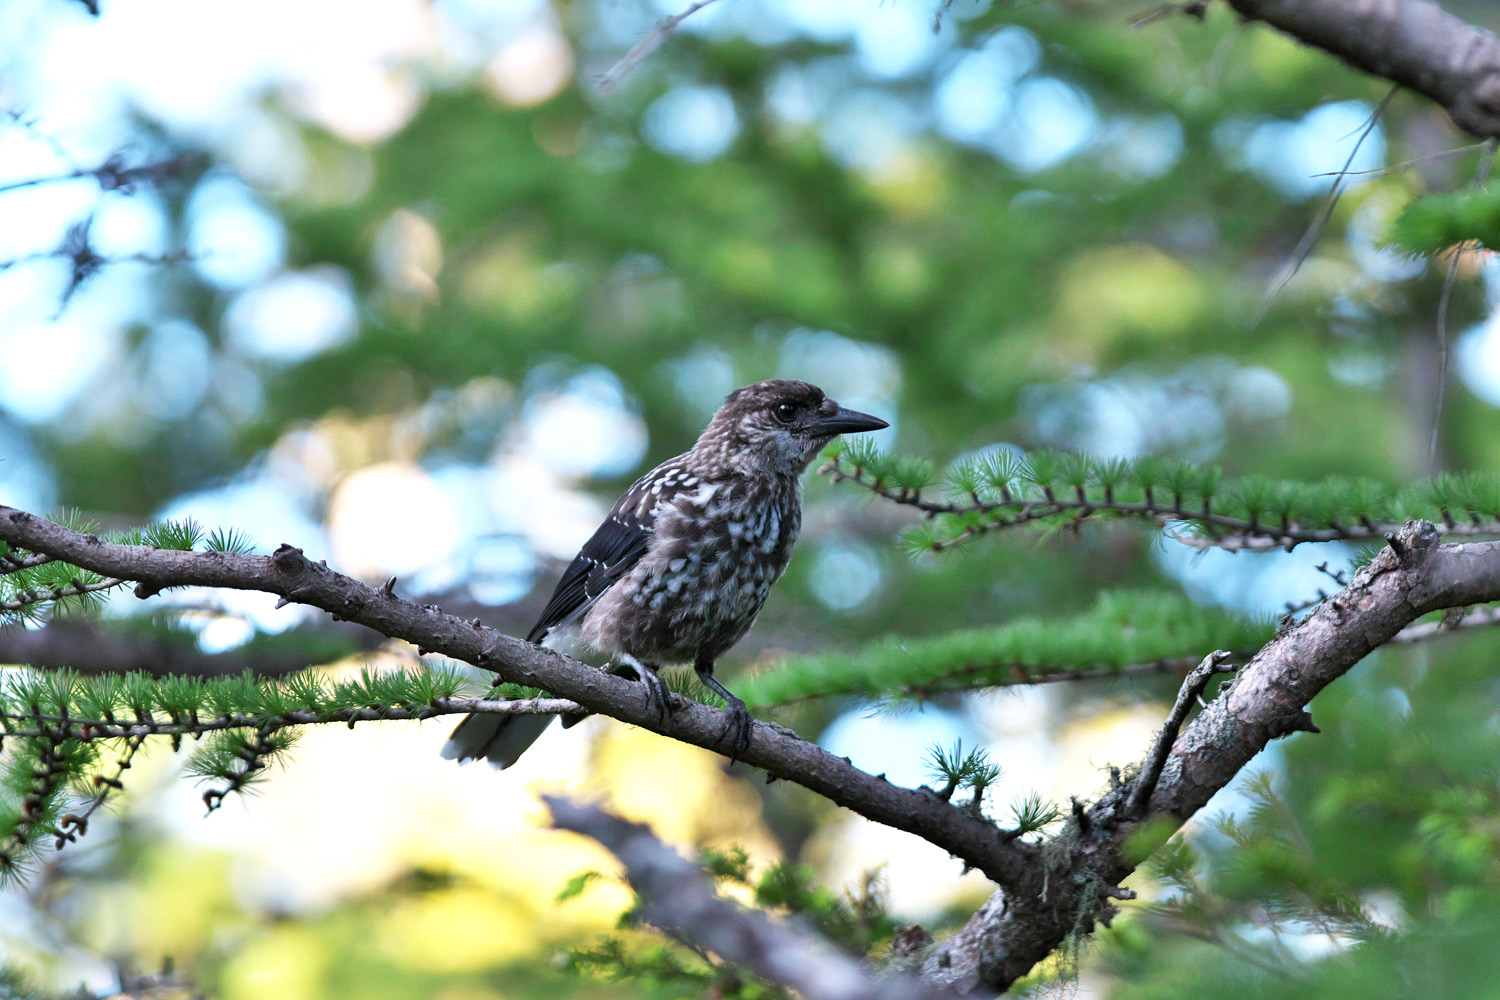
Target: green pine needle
x=1124, y=628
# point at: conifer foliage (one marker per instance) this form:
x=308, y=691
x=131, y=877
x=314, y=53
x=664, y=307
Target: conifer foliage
x=1020, y=233
x=1049, y=490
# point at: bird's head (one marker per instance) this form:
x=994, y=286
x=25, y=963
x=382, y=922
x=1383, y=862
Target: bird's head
x=778, y=427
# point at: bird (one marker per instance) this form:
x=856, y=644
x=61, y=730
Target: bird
x=680, y=568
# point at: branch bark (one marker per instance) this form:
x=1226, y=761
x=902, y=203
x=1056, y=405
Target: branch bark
x=1414, y=43
x=1192, y=690
x=780, y=752
x=1021, y=924
x=680, y=900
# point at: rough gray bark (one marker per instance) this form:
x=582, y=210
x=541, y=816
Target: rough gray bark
x=679, y=899
x=1023, y=923
x=1415, y=43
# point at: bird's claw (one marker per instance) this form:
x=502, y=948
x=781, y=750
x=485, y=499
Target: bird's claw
x=741, y=722
x=658, y=699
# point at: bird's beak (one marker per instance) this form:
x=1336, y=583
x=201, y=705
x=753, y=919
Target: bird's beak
x=846, y=421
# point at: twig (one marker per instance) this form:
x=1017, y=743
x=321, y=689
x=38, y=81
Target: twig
x=1396, y=167
x=12, y=563
x=72, y=826
x=1310, y=237
x=76, y=589
x=1338, y=576
x=1442, y=339
x=1415, y=43
x=30, y=125
x=1191, y=691
x=679, y=899
x=100, y=646
x=1238, y=533
x=637, y=55
x=1018, y=674
x=1192, y=8
x=74, y=728
x=1021, y=674
x=1474, y=618
x=1481, y=175
x=113, y=175
x=1240, y=950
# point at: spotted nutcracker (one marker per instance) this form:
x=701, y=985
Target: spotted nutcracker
x=680, y=568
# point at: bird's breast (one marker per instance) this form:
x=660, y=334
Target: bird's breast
x=710, y=568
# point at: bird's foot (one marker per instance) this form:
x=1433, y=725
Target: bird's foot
x=658, y=698
x=741, y=723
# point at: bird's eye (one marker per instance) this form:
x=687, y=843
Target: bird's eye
x=785, y=412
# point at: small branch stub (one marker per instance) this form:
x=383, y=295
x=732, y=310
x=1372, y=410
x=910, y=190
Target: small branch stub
x=1216, y=662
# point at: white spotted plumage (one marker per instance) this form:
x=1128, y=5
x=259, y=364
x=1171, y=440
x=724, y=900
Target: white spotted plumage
x=682, y=565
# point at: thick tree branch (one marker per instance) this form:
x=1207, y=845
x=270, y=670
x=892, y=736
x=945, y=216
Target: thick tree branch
x=1415, y=43
x=781, y=753
x=680, y=900
x=1019, y=926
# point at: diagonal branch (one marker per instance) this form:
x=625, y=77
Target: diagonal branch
x=1192, y=690
x=642, y=50
x=680, y=900
x=1309, y=238
x=1021, y=924
x=45, y=725
x=1414, y=43
x=288, y=573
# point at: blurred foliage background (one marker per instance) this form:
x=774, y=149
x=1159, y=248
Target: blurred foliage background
x=444, y=300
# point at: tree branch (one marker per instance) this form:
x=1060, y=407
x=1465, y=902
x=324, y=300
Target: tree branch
x=781, y=753
x=114, y=175
x=643, y=49
x=1414, y=43
x=95, y=647
x=1021, y=924
x=1229, y=533
x=680, y=900
x=1192, y=690
x=46, y=725
x=77, y=588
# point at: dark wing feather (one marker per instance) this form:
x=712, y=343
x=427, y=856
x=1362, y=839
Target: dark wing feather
x=617, y=545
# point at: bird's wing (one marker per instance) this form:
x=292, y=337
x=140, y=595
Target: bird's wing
x=617, y=545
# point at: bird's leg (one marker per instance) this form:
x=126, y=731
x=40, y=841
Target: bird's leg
x=739, y=715
x=657, y=696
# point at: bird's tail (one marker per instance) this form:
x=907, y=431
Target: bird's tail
x=499, y=739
